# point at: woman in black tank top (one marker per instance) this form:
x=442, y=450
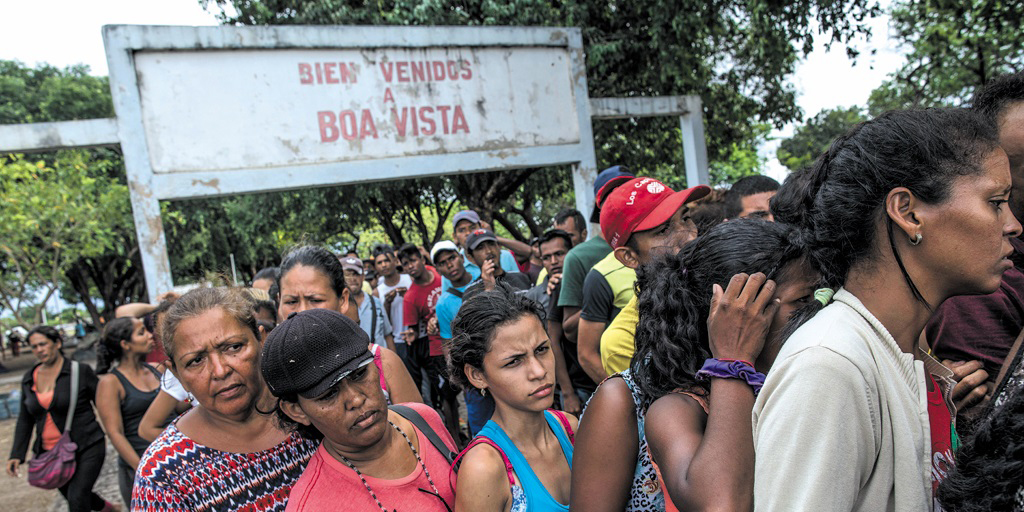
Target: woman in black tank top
x=125, y=393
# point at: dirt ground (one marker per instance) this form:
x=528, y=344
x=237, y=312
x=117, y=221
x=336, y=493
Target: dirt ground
x=17, y=494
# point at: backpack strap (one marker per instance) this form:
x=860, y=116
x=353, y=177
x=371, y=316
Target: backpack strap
x=565, y=424
x=74, y=396
x=373, y=323
x=421, y=424
x=484, y=440
x=455, y=292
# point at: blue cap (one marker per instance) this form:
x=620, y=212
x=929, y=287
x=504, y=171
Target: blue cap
x=469, y=215
x=608, y=174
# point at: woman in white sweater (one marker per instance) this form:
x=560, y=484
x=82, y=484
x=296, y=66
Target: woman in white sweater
x=901, y=213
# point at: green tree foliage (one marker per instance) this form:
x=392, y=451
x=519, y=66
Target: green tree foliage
x=735, y=55
x=112, y=271
x=53, y=215
x=47, y=93
x=814, y=137
x=954, y=46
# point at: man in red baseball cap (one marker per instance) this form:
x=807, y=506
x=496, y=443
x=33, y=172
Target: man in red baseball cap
x=640, y=218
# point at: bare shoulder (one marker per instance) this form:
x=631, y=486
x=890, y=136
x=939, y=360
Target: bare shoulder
x=483, y=465
x=389, y=357
x=676, y=410
x=612, y=399
x=109, y=383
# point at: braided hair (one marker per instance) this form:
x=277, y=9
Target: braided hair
x=837, y=202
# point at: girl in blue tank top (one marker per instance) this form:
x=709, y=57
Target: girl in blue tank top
x=522, y=459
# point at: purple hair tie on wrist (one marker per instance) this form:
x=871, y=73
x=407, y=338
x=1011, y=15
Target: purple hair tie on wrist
x=717, y=368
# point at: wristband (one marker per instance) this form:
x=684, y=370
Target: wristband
x=744, y=361
x=729, y=369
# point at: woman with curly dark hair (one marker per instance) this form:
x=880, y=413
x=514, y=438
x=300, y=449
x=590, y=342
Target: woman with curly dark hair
x=989, y=470
x=747, y=276
x=125, y=393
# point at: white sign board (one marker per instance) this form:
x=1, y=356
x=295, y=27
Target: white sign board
x=270, y=108
x=205, y=111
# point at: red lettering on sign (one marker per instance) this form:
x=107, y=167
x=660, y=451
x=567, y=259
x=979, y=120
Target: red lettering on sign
x=329, y=68
x=328, y=131
x=388, y=96
x=417, y=71
x=387, y=68
x=319, y=74
x=305, y=73
x=347, y=119
x=443, y=109
x=453, y=70
x=402, y=69
x=438, y=68
x=429, y=126
x=466, y=72
x=366, y=127
x=348, y=73
x=400, y=121
x=459, y=120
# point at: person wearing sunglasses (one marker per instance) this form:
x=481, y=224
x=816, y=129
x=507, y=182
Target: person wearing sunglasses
x=318, y=365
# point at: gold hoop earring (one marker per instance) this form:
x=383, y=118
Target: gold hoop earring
x=916, y=240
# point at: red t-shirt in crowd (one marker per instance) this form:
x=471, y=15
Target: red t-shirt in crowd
x=328, y=484
x=941, y=421
x=418, y=308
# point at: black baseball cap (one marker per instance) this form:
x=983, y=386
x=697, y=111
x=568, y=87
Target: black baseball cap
x=311, y=351
x=478, y=237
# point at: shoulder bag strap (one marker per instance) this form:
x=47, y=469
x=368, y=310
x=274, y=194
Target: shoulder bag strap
x=482, y=440
x=1012, y=359
x=74, y=396
x=452, y=290
x=421, y=424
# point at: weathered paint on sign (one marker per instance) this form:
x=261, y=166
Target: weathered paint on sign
x=269, y=108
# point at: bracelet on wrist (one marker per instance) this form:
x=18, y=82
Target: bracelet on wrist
x=732, y=369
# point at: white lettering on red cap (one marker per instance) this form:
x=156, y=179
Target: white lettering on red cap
x=632, y=198
x=655, y=188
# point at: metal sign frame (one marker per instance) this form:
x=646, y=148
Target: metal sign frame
x=148, y=188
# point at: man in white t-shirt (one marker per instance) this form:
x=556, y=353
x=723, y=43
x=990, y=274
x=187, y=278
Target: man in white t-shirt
x=391, y=286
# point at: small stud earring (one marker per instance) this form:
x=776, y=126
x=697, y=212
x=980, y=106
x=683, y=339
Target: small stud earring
x=483, y=392
x=916, y=240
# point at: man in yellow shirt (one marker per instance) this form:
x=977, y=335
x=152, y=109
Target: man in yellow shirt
x=639, y=218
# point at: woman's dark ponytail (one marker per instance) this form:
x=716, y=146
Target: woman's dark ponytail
x=109, y=349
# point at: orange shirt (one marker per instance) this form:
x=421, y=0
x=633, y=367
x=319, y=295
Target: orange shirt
x=51, y=434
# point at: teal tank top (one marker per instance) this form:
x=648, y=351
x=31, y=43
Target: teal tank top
x=530, y=495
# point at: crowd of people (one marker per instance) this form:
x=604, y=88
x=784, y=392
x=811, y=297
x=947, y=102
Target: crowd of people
x=848, y=340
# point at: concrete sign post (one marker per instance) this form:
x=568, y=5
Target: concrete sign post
x=208, y=111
